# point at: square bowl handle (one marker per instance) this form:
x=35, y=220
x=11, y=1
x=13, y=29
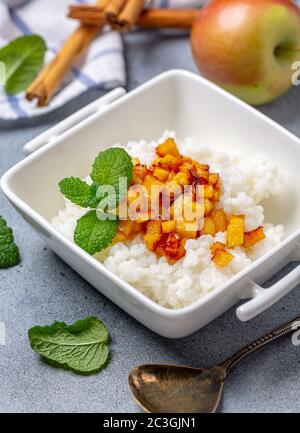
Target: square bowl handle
x=261, y=298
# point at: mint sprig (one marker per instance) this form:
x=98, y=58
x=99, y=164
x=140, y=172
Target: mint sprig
x=9, y=253
x=23, y=58
x=93, y=233
x=109, y=167
x=79, y=192
x=81, y=347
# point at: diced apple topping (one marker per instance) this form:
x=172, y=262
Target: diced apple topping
x=167, y=162
x=153, y=234
x=213, y=178
x=177, y=215
x=169, y=147
x=127, y=229
x=171, y=246
x=235, y=231
x=253, y=237
x=139, y=173
x=161, y=174
x=209, y=226
x=187, y=229
x=220, y=219
x=220, y=255
x=168, y=226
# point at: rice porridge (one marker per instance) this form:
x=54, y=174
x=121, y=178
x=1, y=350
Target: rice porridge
x=245, y=183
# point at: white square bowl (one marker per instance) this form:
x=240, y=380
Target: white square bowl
x=194, y=107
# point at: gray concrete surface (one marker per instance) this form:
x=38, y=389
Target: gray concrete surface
x=43, y=289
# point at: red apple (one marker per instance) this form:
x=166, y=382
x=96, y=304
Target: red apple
x=248, y=46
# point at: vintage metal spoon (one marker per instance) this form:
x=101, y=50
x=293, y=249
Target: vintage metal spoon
x=179, y=389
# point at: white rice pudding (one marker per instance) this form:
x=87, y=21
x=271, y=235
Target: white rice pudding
x=245, y=183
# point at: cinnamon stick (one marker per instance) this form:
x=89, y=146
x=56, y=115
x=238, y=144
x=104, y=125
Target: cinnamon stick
x=150, y=18
x=50, y=78
x=130, y=14
x=113, y=9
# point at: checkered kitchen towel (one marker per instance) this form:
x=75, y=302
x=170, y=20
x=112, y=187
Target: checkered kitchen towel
x=103, y=67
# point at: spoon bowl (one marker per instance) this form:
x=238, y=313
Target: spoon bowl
x=179, y=389
x=176, y=389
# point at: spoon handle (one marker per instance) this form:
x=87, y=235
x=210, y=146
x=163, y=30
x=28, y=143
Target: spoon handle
x=285, y=329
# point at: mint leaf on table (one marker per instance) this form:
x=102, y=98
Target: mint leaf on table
x=79, y=192
x=81, y=347
x=9, y=253
x=23, y=58
x=93, y=234
x=110, y=166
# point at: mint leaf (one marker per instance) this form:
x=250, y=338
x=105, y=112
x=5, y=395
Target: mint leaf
x=23, y=58
x=9, y=253
x=110, y=166
x=81, y=347
x=94, y=235
x=112, y=175
x=79, y=192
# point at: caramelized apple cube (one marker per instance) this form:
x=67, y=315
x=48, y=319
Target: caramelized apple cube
x=217, y=195
x=153, y=234
x=142, y=217
x=187, y=164
x=127, y=227
x=151, y=240
x=235, y=231
x=213, y=178
x=208, y=191
x=202, y=169
x=222, y=258
x=151, y=181
x=134, y=193
x=220, y=218
x=199, y=174
x=161, y=174
x=209, y=227
x=153, y=227
x=253, y=237
x=170, y=246
x=182, y=178
x=217, y=246
x=169, y=147
x=168, y=162
x=168, y=226
x=187, y=229
x=139, y=173
x=208, y=206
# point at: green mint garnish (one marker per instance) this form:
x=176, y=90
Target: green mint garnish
x=79, y=192
x=93, y=233
x=110, y=166
x=9, y=253
x=23, y=58
x=81, y=347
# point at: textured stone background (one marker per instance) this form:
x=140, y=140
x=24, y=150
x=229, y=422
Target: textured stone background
x=43, y=289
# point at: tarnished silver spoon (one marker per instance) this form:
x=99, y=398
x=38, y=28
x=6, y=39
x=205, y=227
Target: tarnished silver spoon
x=180, y=389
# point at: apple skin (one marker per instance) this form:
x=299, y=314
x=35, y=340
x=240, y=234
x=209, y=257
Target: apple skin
x=248, y=46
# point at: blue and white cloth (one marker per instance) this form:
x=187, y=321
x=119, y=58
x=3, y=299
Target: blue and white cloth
x=102, y=67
